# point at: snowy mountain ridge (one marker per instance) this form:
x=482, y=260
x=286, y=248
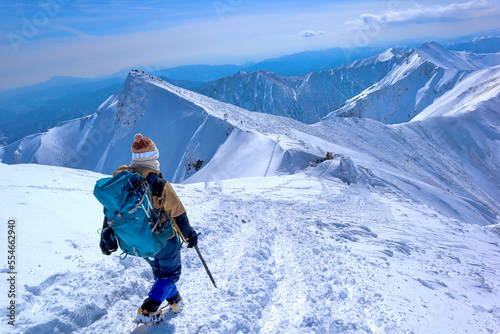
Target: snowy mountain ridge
x=482, y=86
x=306, y=98
x=201, y=139
x=187, y=126
x=458, y=60
x=389, y=54
x=392, y=87
x=415, y=82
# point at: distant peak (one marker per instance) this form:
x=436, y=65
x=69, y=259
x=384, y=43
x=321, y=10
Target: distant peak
x=431, y=45
x=398, y=51
x=141, y=75
x=264, y=73
x=392, y=52
x=387, y=55
x=137, y=77
x=447, y=59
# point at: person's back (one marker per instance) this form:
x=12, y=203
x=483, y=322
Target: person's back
x=166, y=264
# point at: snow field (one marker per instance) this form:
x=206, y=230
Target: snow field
x=290, y=254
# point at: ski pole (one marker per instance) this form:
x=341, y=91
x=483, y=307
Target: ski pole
x=205, y=265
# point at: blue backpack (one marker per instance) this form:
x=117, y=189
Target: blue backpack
x=128, y=205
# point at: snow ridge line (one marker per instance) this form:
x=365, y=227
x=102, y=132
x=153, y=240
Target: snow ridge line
x=272, y=155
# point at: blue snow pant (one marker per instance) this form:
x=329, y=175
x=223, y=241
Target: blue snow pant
x=166, y=267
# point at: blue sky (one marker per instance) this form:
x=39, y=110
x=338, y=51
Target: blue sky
x=40, y=39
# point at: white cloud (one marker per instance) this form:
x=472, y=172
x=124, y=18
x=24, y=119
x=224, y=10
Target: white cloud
x=311, y=33
x=421, y=14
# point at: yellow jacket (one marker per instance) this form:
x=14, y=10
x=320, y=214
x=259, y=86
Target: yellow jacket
x=169, y=202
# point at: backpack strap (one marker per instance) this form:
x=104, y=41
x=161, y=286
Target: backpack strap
x=152, y=178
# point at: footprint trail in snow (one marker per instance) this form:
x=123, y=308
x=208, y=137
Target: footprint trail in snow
x=290, y=254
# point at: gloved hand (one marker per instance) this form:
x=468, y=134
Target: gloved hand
x=108, y=242
x=104, y=250
x=192, y=239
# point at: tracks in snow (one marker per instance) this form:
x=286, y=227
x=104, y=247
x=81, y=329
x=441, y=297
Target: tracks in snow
x=297, y=255
x=293, y=254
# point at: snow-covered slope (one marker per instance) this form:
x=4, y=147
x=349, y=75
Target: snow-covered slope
x=306, y=98
x=188, y=128
x=304, y=253
x=184, y=132
x=414, y=83
x=449, y=161
x=469, y=94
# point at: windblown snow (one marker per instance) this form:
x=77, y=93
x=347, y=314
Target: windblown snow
x=396, y=232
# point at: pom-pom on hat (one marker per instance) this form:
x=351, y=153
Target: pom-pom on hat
x=143, y=147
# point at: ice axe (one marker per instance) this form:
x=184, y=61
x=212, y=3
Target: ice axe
x=206, y=267
x=204, y=264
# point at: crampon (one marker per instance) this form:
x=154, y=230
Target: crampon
x=149, y=318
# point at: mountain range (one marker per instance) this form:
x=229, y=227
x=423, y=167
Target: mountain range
x=64, y=98
x=307, y=98
x=38, y=107
x=392, y=87
x=203, y=139
x=415, y=82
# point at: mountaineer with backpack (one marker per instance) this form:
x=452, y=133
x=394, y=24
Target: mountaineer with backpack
x=144, y=217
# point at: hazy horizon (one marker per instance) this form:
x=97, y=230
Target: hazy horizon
x=93, y=39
